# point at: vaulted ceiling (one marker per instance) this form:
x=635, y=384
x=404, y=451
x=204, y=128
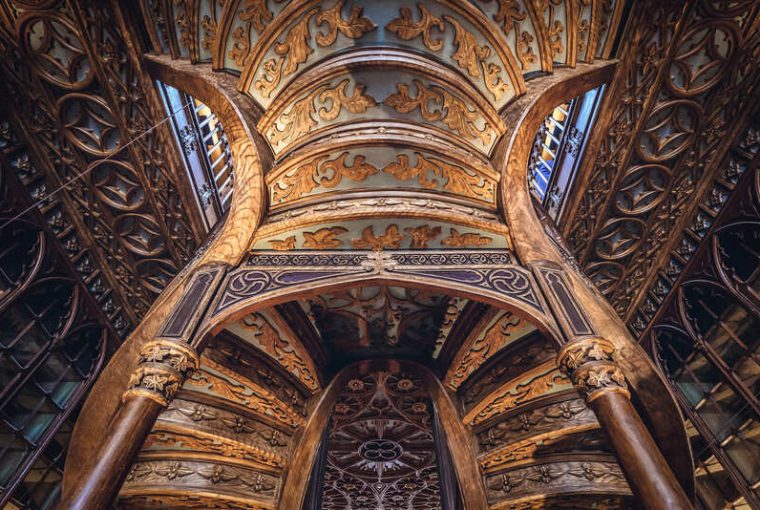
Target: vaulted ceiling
x=380, y=120
x=683, y=95
x=85, y=109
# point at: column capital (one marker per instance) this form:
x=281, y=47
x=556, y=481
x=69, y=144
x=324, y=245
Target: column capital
x=164, y=364
x=590, y=364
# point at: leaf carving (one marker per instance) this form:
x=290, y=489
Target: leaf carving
x=289, y=243
x=449, y=109
x=354, y=27
x=292, y=51
x=256, y=13
x=461, y=119
x=320, y=172
x=299, y=119
x=469, y=53
x=406, y=28
x=403, y=172
x=324, y=238
x=391, y=239
x=358, y=102
x=420, y=236
x=458, y=240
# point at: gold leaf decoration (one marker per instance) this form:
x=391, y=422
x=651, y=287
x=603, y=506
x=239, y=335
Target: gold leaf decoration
x=509, y=14
x=469, y=53
x=300, y=120
x=449, y=109
x=296, y=48
x=209, y=32
x=292, y=51
x=289, y=243
x=256, y=13
x=420, y=236
x=391, y=239
x=354, y=27
x=479, y=348
x=320, y=172
x=461, y=119
x=358, y=102
x=406, y=28
x=458, y=240
x=514, y=393
x=525, y=51
x=289, y=353
x=403, y=172
x=241, y=46
x=324, y=238
x=460, y=181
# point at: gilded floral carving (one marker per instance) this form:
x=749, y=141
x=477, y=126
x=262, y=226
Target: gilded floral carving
x=516, y=392
x=324, y=238
x=288, y=352
x=406, y=28
x=469, y=55
x=479, y=348
x=296, y=47
x=289, y=243
x=447, y=108
x=300, y=120
x=231, y=386
x=468, y=239
x=420, y=236
x=353, y=27
x=319, y=172
x=391, y=239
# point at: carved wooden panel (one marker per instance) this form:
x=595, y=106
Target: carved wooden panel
x=682, y=95
x=79, y=98
x=380, y=450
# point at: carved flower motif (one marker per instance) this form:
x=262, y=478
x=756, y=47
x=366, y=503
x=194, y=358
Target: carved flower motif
x=355, y=385
x=181, y=363
x=155, y=382
x=405, y=384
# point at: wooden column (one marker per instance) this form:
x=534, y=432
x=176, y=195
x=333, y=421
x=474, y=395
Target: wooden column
x=590, y=363
x=163, y=366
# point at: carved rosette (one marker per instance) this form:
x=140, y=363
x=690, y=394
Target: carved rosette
x=590, y=364
x=164, y=365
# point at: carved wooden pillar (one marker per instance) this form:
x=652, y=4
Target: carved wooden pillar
x=164, y=365
x=590, y=363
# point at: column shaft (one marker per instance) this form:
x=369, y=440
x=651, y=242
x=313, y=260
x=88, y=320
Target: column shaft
x=98, y=488
x=164, y=364
x=646, y=470
x=590, y=363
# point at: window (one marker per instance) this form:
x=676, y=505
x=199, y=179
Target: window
x=558, y=149
x=205, y=151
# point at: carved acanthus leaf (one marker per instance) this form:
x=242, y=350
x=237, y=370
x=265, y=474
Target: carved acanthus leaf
x=324, y=238
x=469, y=53
x=354, y=27
x=256, y=13
x=449, y=109
x=457, y=240
x=289, y=243
x=300, y=120
x=391, y=239
x=406, y=28
x=403, y=172
x=420, y=236
x=320, y=172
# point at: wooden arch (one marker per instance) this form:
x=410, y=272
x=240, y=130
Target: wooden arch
x=457, y=440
